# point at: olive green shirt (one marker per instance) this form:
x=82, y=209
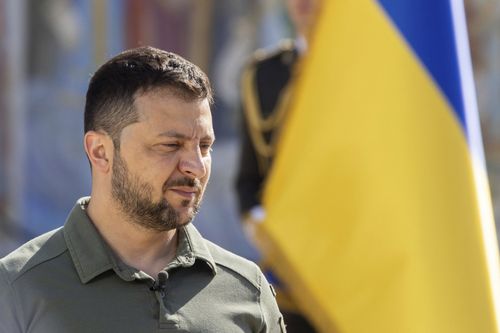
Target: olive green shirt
x=68, y=280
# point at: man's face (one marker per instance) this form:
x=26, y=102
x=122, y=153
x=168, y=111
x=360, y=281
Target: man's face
x=163, y=165
x=303, y=13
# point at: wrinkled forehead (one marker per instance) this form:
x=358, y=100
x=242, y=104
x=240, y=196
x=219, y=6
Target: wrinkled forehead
x=163, y=110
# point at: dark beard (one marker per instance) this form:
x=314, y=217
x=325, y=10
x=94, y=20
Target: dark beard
x=135, y=199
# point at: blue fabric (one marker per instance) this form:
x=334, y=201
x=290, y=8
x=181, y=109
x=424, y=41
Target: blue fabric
x=428, y=28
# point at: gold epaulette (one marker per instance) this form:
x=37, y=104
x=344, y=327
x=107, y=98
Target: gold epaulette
x=258, y=125
x=264, y=53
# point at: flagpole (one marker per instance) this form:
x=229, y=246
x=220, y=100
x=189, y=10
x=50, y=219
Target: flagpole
x=476, y=148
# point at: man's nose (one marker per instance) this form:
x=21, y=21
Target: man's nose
x=192, y=164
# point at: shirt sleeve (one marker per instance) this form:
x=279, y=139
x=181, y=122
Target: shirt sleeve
x=9, y=320
x=272, y=317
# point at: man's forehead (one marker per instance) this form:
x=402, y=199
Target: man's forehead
x=171, y=104
x=176, y=120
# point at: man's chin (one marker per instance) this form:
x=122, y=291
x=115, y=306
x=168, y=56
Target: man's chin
x=182, y=224
x=186, y=215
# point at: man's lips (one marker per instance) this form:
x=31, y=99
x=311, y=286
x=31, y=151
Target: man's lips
x=185, y=191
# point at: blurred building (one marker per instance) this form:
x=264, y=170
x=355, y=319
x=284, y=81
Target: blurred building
x=50, y=48
x=48, y=51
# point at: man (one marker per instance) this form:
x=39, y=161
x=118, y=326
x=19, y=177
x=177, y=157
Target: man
x=127, y=258
x=265, y=94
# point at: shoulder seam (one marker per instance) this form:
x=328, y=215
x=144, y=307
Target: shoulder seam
x=22, y=272
x=255, y=271
x=15, y=274
x=3, y=272
x=254, y=284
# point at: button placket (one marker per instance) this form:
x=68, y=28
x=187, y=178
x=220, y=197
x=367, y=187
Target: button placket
x=167, y=319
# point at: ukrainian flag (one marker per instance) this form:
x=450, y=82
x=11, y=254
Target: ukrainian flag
x=378, y=210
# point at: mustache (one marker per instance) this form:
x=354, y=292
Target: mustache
x=183, y=181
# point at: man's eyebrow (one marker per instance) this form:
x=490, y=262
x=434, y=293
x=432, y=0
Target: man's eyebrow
x=173, y=134
x=178, y=135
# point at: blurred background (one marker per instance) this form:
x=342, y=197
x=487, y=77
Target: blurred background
x=50, y=48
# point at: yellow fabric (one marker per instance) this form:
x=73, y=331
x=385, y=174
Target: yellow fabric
x=372, y=213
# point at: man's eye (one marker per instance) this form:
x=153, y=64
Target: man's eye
x=171, y=145
x=206, y=147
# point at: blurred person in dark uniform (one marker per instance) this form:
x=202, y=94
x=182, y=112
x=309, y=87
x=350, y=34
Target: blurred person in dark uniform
x=265, y=91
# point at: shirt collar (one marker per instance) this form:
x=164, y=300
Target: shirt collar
x=92, y=256
x=89, y=251
x=192, y=246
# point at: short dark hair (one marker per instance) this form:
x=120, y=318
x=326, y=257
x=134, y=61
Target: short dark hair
x=112, y=90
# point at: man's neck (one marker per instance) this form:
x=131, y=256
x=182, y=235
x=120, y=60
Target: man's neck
x=146, y=250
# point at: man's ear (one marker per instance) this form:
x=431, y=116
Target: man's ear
x=99, y=149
